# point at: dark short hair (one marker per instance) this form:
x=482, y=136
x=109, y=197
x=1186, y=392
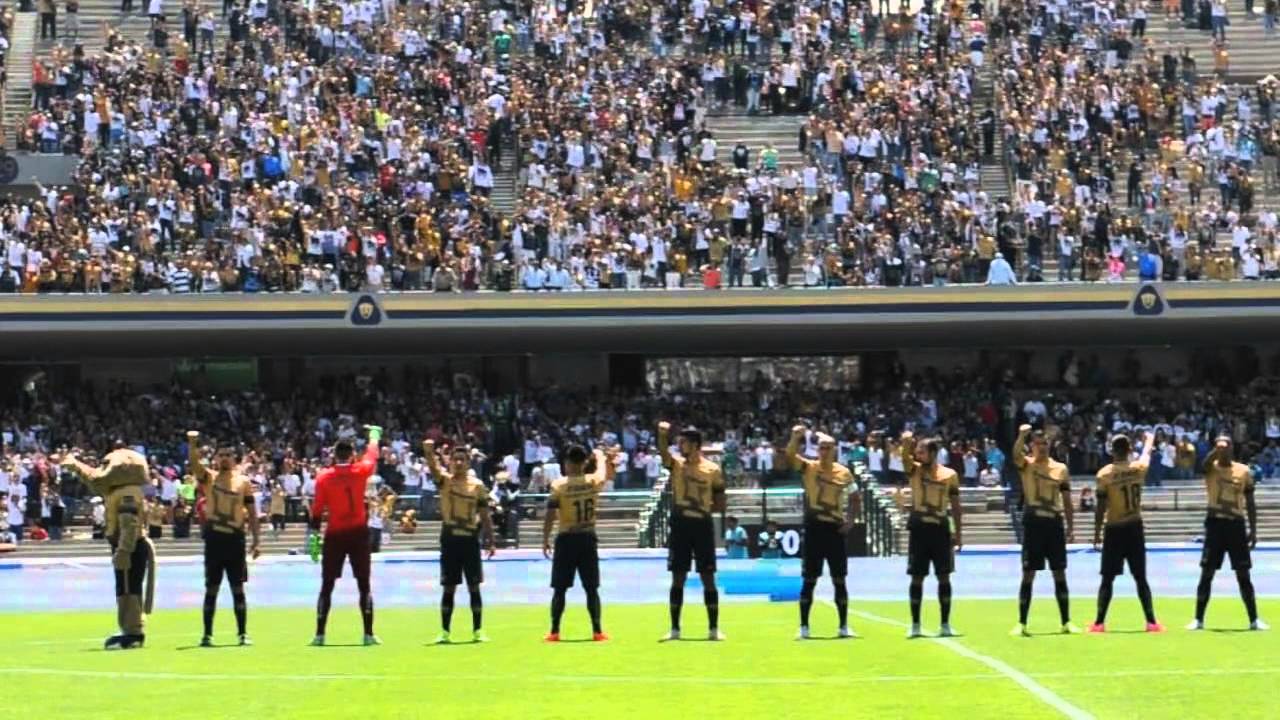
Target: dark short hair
x=734, y=518
x=343, y=449
x=575, y=454
x=692, y=434
x=1121, y=445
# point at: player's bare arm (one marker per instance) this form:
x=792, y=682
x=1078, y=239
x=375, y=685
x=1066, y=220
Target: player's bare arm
x=1020, y=446
x=548, y=523
x=853, y=510
x=907, y=450
x=195, y=462
x=957, y=516
x=433, y=461
x=719, y=498
x=603, y=468
x=1068, y=511
x=251, y=505
x=1148, y=440
x=486, y=522
x=794, y=458
x=1099, y=512
x=1251, y=507
x=664, y=445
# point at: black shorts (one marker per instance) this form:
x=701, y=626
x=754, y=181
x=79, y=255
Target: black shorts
x=1222, y=537
x=1124, y=544
x=1044, y=539
x=277, y=521
x=575, y=554
x=224, y=554
x=375, y=540
x=459, y=559
x=692, y=542
x=824, y=543
x=929, y=543
x=338, y=546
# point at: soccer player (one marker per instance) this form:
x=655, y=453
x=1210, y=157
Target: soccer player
x=229, y=505
x=697, y=488
x=1229, y=486
x=830, y=504
x=573, y=501
x=1046, y=497
x=931, y=541
x=340, y=490
x=464, y=510
x=1119, y=507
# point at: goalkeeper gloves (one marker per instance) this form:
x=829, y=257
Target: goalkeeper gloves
x=313, y=547
x=375, y=432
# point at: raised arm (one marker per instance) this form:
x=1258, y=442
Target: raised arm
x=794, y=458
x=1148, y=440
x=907, y=449
x=664, y=443
x=195, y=464
x=603, y=468
x=1020, y=447
x=369, y=463
x=433, y=462
x=1211, y=458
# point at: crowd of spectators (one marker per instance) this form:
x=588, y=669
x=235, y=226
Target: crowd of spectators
x=517, y=438
x=332, y=146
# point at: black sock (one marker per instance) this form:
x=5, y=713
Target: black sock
x=1203, y=590
x=711, y=598
x=944, y=600
x=1246, y=594
x=477, y=608
x=446, y=609
x=806, y=602
x=210, y=607
x=842, y=602
x=557, y=610
x=1064, y=599
x=322, y=609
x=1024, y=601
x=594, y=610
x=916, y=593
x=677, y=603
x=242, y=611
x=1105, y=591
x=1148, y=604
x=366, y=611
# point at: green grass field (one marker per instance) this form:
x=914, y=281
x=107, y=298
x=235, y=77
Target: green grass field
x=53, y=665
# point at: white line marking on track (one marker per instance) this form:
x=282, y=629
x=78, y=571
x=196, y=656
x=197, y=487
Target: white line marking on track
x=1040, y=692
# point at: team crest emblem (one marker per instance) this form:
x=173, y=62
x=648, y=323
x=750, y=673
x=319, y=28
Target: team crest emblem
x=1148, y=303
x=366, y=311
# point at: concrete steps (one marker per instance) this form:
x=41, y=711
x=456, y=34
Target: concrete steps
x=134, y=26
x=1252, y=55
x=18, y=96
x=757, y=131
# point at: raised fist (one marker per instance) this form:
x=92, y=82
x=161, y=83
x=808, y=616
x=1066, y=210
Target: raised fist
x=664, y=427
x=193, y=434
x=798, y=430
x=1024, y=428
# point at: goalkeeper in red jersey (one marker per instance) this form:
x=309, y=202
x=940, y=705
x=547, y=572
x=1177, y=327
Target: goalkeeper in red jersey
x=340, y=489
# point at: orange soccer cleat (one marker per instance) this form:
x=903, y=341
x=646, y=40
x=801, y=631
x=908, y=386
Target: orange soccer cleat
x=599, y=637
x=1155, y=627
x=1097, y=628
x=552, y=637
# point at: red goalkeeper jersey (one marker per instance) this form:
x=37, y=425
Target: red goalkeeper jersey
x=340, y=489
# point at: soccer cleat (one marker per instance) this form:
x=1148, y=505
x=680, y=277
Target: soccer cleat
x=371, y=640
x=846, y=632
x=804, y=633
x=714, y=635
x=599, y=637
x=1097, y=628
x=479, y=637
x=1070, y=628
x=914, y=632
x=1155, y=627
x=245, y=641
x=443, y=638
x=317, y=641
x=947, y=631
x=672, y=634
x=1195, y=625
x=123, y=642
x=552, y=637
x=1258, y=624
x=206, y=641
x=1020, y=630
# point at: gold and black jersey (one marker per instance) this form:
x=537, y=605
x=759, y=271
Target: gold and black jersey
x=1226, y=488
x=932, y=490
x=1120, y=491
x=695, y=486
x=1042, y=486
x=460, y=506
x=228, y=502
x=826, y=492
x=576, y=502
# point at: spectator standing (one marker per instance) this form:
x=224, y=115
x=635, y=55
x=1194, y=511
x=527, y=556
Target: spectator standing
x=770, y=541
x=48, y=10
x=735, y=539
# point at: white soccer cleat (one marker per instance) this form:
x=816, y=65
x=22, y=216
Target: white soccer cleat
x=1070, y=628
x=1195, y=625
x=846, y=632
x=1258, y=624
x=672, y=634
x=714, y=635
x=914, y=632
x=317, y=641
x=947, y=631
x=804, y=633
x=372, y=640
x=245, y=641
x=1020, y=630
